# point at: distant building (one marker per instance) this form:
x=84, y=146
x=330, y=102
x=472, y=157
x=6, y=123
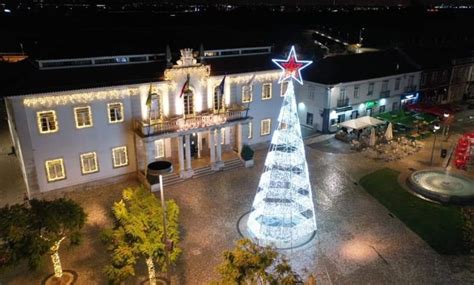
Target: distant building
x=77, y=121
x=461, y=83
x=345, y=87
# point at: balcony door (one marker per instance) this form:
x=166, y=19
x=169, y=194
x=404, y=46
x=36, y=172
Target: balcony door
x=218, y=103
x=156, y=108
x=188, y=103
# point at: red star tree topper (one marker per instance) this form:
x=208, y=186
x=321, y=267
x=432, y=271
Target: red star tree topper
x=291, y=67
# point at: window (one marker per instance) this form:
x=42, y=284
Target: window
x=266, y=91
x=368, y=112
x=218, y=99
x=371, y=89
x=159, y=148
x=382, y=109
x=397, y=83
x=309, y=119
x=312, y=92
x=89, y=163
x=246, y=94
x=355, y=114
x=342, y=93
x=444, y=76
x=265, y=127
x=120, y=157
x=341, y=118
x=284, y=87
x=155, y=108
x=115, y=112
x=188, y=101
x=83, y=117
x=423, y=79
x=55, y=169
x=384, y=85
x=356, y=91
x=47, y=122
x=411, y=78
x=250, y=130
x=394, y=106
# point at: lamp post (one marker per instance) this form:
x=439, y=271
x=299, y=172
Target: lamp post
x=435, y=128
x=163, y=206
x=445, y=125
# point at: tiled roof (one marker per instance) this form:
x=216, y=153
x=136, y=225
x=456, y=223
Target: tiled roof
x=356, y=67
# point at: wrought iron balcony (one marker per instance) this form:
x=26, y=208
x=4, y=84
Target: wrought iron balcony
x=385, y=94
x=198, y=121
x=342, y=102
x=410, y=88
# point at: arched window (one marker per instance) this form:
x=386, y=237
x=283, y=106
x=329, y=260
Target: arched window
x=188, y=101
x=156, y=108
x=218, y=100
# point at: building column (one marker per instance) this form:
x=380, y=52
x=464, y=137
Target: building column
x=188, y=151
x=199, y=144
x=239, y=138
x=180, y=153
x=219, y=144
x=212, y=146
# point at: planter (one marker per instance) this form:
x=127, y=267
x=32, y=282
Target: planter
x=248, y=163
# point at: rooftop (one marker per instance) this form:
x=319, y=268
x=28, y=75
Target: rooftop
x=26, y=78
x=356, y=67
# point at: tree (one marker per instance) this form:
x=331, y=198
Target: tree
x=54, y=221
x=249, y=263
x=138, y=233
x=30, y=231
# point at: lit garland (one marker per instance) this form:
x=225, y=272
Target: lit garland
x=201, y=71
x=78, y=98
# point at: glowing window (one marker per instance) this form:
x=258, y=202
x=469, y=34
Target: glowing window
x=47, y=122
x=284, y=86
x=266, y=91
x=120, y=156
x=265, y=127
x=83, y=116
x=55, y=169
x=246, y=94
x=250, y=130
x=159, y=148
x=89, y=163
x=115, y=111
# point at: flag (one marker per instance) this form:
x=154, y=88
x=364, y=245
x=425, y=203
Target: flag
x=148, y=99
x=250, y=82
x=185, y=87
x=221, y=86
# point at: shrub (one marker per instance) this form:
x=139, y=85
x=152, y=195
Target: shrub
x=246, y=153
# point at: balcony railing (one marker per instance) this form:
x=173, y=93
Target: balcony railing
x=178, y=123
x=342, y=102
x=410, y=88
x=385, y=94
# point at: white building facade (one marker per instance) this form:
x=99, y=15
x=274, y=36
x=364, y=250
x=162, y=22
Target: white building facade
x=74, y=137
x=322, y=106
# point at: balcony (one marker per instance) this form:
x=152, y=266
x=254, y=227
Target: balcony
x=342, y=102
x=198, y=121
x=410, y=88
x=385, y=94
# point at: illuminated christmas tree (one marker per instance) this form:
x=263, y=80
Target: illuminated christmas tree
x=283, y=211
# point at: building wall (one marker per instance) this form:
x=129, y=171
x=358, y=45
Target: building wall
x=327, y=105
x=69, y=142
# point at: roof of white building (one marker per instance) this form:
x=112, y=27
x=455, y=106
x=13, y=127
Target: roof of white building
x=357, y=67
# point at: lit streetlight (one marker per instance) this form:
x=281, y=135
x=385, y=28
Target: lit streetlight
x=167, y=242
x=435, y=128
x=445, y=125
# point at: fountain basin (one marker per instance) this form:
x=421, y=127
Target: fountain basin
x=443, y=187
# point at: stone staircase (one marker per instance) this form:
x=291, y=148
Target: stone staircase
x=173, y=178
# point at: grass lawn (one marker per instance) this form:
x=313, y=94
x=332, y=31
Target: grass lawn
x=440, y=226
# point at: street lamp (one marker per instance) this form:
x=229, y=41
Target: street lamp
x=435, y=128
x=445, y=125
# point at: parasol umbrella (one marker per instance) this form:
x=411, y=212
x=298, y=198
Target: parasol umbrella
x=372, y=137
x=389, y=132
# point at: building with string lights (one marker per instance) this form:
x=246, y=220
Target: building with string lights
x=86, y=121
